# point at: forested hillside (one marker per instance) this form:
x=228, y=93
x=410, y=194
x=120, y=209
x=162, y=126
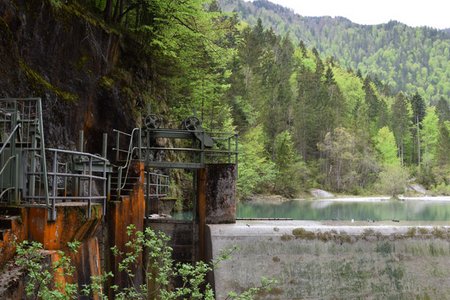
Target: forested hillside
x=304, y=121
x=405, y=58
x=307, y=122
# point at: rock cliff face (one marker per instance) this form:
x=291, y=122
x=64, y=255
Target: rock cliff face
x=77, y=65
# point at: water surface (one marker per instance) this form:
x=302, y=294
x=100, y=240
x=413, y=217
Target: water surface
x=417, y=210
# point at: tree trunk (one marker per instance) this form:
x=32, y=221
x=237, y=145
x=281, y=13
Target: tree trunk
x=108, y=9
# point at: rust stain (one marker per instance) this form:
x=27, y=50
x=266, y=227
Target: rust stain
x=16, y=234
x=70, y=224
x=94, y=260
x=129, y=210
x=58, y=276
x=201, y=204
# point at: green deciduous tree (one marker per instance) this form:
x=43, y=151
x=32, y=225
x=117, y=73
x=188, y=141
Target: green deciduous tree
x=443, y=146
x=443, y=110
x=256, y=171
x=429, y=137
x=429, y=145
x=386, y=147
x=392, y=180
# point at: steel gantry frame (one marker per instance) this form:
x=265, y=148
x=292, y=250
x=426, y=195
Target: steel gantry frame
x=189, y=148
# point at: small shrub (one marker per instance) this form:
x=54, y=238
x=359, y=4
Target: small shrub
x=392, y=180
x=40, y=278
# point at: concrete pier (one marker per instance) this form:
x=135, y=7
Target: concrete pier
x=220, y=193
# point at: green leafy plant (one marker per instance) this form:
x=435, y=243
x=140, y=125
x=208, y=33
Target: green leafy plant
x=40, y=278
x=160, y=272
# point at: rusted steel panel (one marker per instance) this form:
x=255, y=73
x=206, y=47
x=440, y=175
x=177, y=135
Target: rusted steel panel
x=14, y=229
x=201, y=210
x=71, y=224
x=120, y=214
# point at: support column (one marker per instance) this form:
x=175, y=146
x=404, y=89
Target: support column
x=220, y=193
x=216, y=199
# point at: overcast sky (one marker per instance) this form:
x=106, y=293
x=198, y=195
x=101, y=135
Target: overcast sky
x=432, y=13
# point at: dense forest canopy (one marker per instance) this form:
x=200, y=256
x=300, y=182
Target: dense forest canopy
x=405, y=58
x=305, y=119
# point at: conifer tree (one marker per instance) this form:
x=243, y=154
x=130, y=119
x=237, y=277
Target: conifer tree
x=400, y=124
x=443, y=147
x=418, y=107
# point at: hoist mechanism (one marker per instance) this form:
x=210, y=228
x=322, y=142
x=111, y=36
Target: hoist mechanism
x=152, y=121
x=194, y=125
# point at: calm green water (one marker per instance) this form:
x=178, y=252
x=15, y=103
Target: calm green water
x=359, y=211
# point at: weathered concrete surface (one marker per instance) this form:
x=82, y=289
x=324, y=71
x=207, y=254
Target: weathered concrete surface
x=313, y=260
x=220, y=193
x=183, y=237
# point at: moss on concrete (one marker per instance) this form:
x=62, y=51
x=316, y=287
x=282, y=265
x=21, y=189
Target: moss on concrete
x=368, y=235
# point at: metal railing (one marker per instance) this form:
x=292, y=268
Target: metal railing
x=185, y=150
x=5, y=160
x=190, y=144
x=22, y=137
x=156, y=185
x=73, y=177
x=123, y=171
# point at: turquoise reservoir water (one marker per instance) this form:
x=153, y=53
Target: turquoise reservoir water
x=417, y=210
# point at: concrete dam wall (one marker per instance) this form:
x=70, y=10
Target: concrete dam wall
x=314, y=260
